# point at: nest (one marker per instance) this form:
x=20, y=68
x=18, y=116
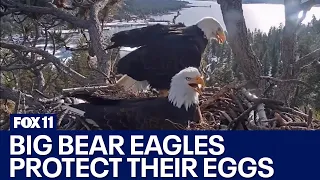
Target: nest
x=228, y=108
x=237, y=109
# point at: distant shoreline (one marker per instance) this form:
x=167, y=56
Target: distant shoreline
x=142, y=9
x=251, y=2
x=259, y=2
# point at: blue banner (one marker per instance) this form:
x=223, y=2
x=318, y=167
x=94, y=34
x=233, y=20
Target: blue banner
x=33, y=152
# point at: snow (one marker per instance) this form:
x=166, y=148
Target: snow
x=72, y=41
x=110, y=28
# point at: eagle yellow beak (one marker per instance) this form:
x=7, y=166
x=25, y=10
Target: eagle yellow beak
x=197, y=84
x=220, y=36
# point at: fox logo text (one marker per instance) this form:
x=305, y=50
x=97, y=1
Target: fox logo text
x=33, y=122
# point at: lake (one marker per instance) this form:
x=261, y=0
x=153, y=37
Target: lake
x=257, y=16
x=260, y=16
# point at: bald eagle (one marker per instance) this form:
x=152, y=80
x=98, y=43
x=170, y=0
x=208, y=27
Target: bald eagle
x=147, y=113
x=163, y=50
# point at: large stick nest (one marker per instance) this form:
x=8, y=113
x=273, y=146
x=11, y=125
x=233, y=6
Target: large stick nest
x=227, y=108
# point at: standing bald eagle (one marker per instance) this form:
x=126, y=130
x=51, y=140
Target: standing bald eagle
x=163, y=51
x=148, y=113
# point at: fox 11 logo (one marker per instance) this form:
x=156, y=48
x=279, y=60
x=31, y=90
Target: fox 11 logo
x=32, y=121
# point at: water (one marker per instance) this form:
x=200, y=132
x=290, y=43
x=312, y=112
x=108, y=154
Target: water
x=257, y=16
x=260, y=16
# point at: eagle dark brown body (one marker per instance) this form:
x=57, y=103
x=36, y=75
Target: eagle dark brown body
x=163, y=51
x=140, y=114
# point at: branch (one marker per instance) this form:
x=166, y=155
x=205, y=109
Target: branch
x=8, y=12
x=8, y=93
x=49, y=57
x=306, y=6
x=77, y=49
x=296, y=81
x=55, y=12
x=102, y=73
x=96, y=37
x=80, y=89
x=23, y=66
x=262, y=113
x=307, y=59
x=175, y=17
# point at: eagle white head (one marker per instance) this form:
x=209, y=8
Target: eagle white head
x=185, y=87
x=212, y=29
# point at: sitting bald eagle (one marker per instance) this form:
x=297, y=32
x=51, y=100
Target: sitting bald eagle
x=148, y=113
x=163, y=50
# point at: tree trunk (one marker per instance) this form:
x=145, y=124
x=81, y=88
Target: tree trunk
x=249, y=64
x=237, y=37
x=289, y=38
x=96, y=39
x=102, y=57
x=288, y=50
x=40, y=80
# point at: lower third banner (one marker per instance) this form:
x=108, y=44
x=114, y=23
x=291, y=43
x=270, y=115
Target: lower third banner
x=42, y=153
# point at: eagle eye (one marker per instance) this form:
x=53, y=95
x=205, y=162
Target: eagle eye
x=188, y=78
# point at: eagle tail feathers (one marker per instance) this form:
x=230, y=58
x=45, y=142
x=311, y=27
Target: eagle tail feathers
x=74, y=109
x=79, y=110
x=112, y=46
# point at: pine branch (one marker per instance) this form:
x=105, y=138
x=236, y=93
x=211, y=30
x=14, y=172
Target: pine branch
x=307, y=59
x=50, y=10
x=23, y=66
x=80, y=89
x=8, y=93
x=295, y=81
x=49, y=57
x=93, y=25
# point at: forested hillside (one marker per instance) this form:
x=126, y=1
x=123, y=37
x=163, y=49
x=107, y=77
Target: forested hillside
x=256, y=1
x=267, y=47
x=142, y=8
x=263, y=1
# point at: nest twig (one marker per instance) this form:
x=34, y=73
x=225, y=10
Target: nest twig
x=227, y=108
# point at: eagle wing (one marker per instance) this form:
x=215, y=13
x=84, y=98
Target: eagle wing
x=135, y=115
x=162, y=58
x=142, y=36
x=103, y=101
